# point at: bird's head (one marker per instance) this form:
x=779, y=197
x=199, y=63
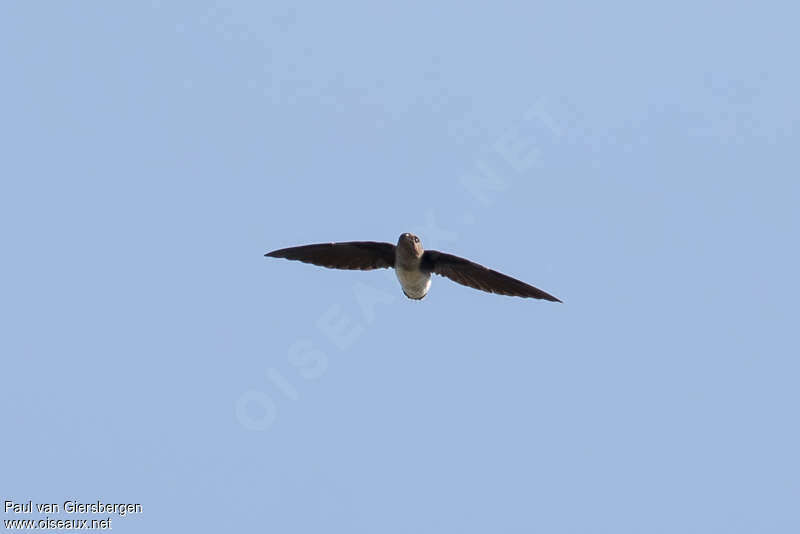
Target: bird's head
x=411, y=243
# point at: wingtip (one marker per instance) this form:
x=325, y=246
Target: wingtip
x=550, y=298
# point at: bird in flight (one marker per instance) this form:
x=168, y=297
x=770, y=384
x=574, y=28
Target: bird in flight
x=413, y=266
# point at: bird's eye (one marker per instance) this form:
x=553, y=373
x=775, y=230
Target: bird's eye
x=416, y=239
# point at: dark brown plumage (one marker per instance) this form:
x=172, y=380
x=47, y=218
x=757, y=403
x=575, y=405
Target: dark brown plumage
x=362, y=255
x=477, y=276
x=412, y=264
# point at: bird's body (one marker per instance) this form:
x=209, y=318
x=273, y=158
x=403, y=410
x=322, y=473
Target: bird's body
x=412, y=264
x=415, y=283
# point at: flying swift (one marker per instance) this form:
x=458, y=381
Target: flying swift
x=412, y=264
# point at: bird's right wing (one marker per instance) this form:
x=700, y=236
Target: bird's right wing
x=362, y=255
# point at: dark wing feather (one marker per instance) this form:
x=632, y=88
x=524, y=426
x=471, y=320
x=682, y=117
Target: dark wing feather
x=363, y=255
x=471, y=274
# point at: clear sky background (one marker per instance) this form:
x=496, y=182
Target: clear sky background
x=639, y=162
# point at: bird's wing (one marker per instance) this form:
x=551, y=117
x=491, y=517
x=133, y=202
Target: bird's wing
x=473, y=275
x=363, y=255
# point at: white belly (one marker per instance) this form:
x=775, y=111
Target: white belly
x=415, y=283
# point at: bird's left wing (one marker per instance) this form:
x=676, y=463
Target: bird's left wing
x=477, y=276
x=363, y=255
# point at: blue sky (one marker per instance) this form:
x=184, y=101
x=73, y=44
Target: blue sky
x=638, y=161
